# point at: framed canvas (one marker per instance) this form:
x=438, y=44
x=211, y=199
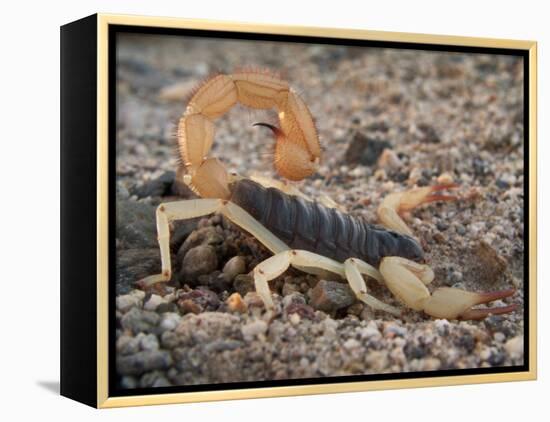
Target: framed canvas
x=258, y=211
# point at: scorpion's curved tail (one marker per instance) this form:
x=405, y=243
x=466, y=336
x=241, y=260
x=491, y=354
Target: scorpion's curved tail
x=297, y=149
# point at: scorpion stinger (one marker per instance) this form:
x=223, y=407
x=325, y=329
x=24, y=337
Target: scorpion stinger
x=297, y=149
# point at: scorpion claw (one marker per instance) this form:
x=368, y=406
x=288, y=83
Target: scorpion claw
x=396, y=204
x=478, y=314
x=454, y=303
x=435, y=195
x=486, y=297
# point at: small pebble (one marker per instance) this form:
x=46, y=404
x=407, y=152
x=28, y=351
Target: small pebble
x=445, y=179
x=153, y=303
x=330, y=296
x=253, y=329
x=243, y=284
x=514, y=347
x=499, y=337
x=294, y=318
x=126, y=302
x=169, y=321
x=149, y=342
x=235, y=303
x=351, y=344
x=234, y=267
x=199, y=260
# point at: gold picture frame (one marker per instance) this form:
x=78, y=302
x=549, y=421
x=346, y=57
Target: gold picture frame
x=96, y=35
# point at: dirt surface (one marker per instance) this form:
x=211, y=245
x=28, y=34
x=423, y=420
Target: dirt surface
x=431, y=112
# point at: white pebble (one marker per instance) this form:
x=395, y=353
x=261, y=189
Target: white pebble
x=499, y=337
x=351, y=344
x=295, y=319
x=371, y=331
x=149, y=342
x=514, y=347
x=441, y=326
x=153, y=303
x=125, y=302
x=170, y=320
x=254, y=328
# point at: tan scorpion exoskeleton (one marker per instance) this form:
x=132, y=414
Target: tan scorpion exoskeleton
x=306, y=234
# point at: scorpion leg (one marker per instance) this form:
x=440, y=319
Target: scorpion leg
x=407, y=279
x=351, y=270
x=396, y=204
x=179, y=210
x=182, y=210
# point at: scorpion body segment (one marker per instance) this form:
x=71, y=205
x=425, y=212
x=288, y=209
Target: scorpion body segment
x=309, y=225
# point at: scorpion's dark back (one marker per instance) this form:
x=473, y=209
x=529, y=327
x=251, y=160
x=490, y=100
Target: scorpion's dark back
x=303, y=224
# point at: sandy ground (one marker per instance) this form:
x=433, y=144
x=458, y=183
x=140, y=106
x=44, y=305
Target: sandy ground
x=436, y=113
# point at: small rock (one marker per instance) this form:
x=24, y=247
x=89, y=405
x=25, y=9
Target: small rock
x=198, y=300
x=149, y=342
x=127, y=345
x=456, y=277
x=243, y=284
x=442, y=225
x=138, y=321
x=497, y=358
x=428, y=134
x=295, y=318
x=491, y=264
x=445, y=179
x=460, y=229
x=301, y=309
x=125, y=302
x=329, y=296
x=514, y=347
x=187, y=306
x=390, y=161
x=153, y=303
x=365, y=151
x=136, y=225
x=182, y=230
x=133, y=265
x=167, y=308
x=197, y=261
x=204, y=236
x=499, y=337
x=371, y=331
x=377, y=360
x=356, y=309
x=502, y=184
x=234, y=267
x=144, y=361
x=253, y=329
x=121, y=192
x=442, y=326
x=351, y=344
x=235, y=303
x=392, y=330
x=127, y=382
x=158, y=187
x=169, y=321
x=217, y=281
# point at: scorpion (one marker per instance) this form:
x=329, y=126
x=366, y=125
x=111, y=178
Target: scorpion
x=313, y=236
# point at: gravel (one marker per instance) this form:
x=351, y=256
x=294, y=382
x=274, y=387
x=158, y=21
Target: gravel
x=388, y=120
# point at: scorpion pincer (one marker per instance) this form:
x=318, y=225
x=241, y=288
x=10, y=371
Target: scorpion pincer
x=312, y=236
